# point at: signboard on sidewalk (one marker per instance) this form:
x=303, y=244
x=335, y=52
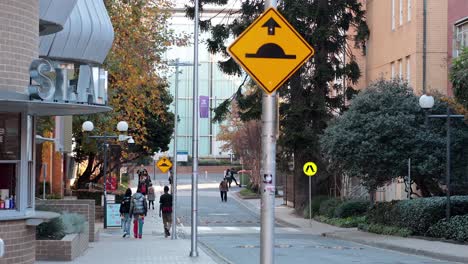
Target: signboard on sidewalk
x=113, y=215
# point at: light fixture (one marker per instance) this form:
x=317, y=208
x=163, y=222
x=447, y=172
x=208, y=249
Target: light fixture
x=426, y=101
x=122, y=126
x=131, y=141
x=87, y=126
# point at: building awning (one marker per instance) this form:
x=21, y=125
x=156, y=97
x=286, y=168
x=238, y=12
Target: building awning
x=40, y=108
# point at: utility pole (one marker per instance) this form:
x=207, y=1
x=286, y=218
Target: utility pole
x=194, y=231
x=267, y=233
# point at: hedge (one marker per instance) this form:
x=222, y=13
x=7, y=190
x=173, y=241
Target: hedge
x=385, y=230
x=352, y=208
x=416, y=214
x=456, y=228
x=327, y=207
x=314, y=205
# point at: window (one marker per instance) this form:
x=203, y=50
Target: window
x=400, y=69
x=461, y=37
x=401, y=12
x=409, y=10
x=393, y=70
x=393, y=14
x=10, y=147
x=408, y=69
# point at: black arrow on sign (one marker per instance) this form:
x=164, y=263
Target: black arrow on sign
x=271, y=25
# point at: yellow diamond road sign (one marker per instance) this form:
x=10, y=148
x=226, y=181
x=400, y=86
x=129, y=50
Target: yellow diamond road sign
x=164, y=164
x=270, y=50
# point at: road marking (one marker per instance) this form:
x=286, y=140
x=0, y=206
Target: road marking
x=204, y=228
x=231, y=228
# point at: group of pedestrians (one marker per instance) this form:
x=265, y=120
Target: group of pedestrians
x=225, y=184
x=136, y=206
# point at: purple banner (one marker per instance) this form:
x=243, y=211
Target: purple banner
x=204, y=106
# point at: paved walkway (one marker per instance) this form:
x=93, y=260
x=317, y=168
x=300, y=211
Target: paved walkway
x=152, y=248
x=435, y=249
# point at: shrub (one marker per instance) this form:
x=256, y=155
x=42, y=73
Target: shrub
x=73, y=223
x=315, y=205
x=416, y=214
x=51, y=230
x=342, y=222
x=382, y=213
x=352, y=208
x=327, y=207
x=456, y=228
x=385, y=230
x=420, y=214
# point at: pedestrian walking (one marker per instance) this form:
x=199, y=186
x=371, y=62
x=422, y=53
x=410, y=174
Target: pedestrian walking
x=141, y=170
x=151, y=197
x=223, y=189
x=232, y=178
x=144, y=183
x=165, y=209
x=138, y=209
x=125, y=212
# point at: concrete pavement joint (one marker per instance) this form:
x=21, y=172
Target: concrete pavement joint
x=382, y=245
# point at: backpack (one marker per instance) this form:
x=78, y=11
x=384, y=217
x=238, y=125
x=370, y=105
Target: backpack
x=125, y=205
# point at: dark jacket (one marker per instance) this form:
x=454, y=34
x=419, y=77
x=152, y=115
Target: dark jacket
x=138, y=205
x=223, y=186
x=125, y=205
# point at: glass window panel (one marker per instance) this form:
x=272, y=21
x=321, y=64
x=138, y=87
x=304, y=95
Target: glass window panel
x=10, y=136
x=8, y=180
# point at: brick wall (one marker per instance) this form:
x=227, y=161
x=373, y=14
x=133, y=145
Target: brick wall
x=67, y=249
x=19, y=34
x=19, y=242
x=83, y=207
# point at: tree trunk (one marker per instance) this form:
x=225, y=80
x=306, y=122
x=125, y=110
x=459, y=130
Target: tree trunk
x=85, y=178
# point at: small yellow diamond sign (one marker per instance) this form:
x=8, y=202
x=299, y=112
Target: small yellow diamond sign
x=164, y=164
x=270, y=50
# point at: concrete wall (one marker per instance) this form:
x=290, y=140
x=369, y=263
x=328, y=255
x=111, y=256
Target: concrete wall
x=83, y=207
x=19, y=36
x=20, y=247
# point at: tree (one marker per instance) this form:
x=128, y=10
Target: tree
x=137, y=92
x=385, y=126
x=306, y=99
x=459, y=78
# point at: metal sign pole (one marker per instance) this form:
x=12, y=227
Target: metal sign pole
x=194, y=231
x=267, y=233
x=310, y=200
x=174, y=168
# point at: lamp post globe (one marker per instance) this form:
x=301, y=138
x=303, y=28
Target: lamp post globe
x=122, y=126
x=426, y=101
x=87, y=126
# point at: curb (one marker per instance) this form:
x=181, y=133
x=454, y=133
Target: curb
x=214, y=254
x=413, y=251
x=255, y=210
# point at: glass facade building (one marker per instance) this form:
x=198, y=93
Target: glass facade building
x=212, y=83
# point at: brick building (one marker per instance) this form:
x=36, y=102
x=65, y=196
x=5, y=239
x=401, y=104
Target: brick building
x=47, y=68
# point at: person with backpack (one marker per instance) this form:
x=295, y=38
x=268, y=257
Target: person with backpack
x=138, y=209
x=223, y=189
x=165, y=207
x=125, y=212
x=151, y=196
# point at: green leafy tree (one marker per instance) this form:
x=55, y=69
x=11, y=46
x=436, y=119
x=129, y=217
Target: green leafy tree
x=137, y=92
x=459, y=78
x=306, y=99
x=385, y=126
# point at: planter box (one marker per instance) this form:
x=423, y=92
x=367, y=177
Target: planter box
x=66, y=249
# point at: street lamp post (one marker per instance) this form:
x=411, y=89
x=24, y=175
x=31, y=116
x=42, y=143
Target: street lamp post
x=427, y=102
x=122, y=127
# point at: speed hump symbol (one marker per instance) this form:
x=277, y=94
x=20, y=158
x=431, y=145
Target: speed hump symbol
x=310, y=169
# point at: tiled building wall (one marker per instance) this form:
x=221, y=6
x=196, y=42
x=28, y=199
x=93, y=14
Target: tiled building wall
x=19, y=239
x=19, y=35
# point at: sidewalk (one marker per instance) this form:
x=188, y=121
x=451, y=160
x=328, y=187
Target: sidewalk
x=435, y=249
x=152, y=248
